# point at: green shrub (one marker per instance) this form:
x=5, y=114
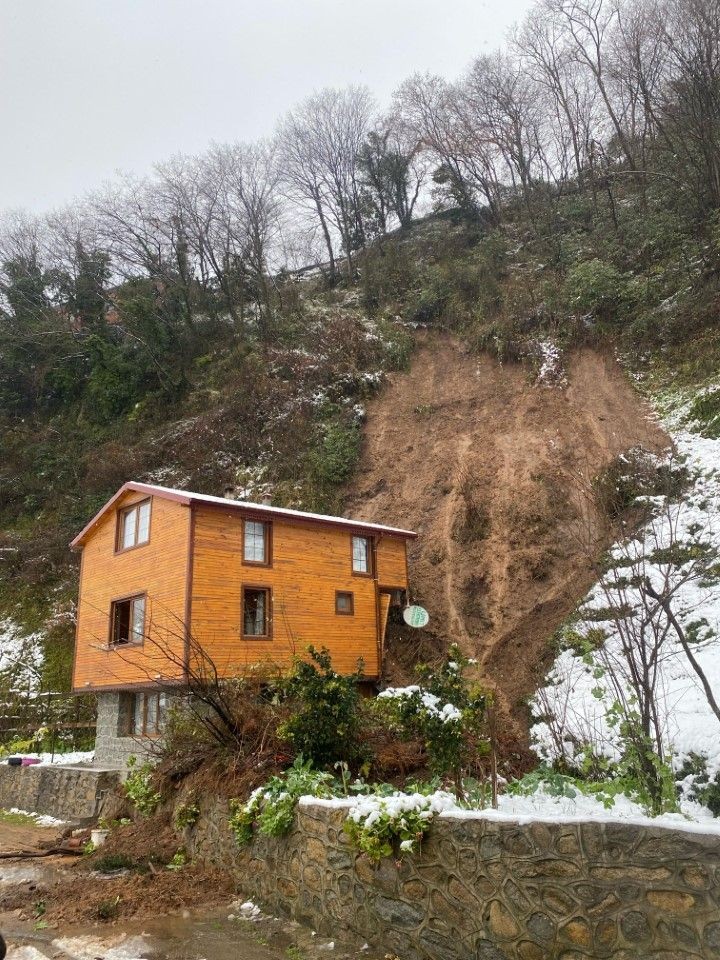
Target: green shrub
x=186, y=815
x=271, y=808
x=446, y=711
x=325, y=722
x=139, y=787
x=598, y=288
x=705, y=412
x=335, y=454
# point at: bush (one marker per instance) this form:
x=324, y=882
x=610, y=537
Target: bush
x=139, y=788
x=445, y=710
x=598, y=288
x=333, y=459
x=325, y=722
x=383, y=826
x=271, y=808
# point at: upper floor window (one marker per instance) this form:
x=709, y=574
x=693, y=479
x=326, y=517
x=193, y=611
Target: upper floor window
x=361, y=556
x=133, y=525
x=256, y=542
x=127, y=620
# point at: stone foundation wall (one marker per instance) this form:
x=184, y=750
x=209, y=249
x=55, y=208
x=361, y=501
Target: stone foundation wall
x=489, y=889
x=111, y=748
x=75, y=794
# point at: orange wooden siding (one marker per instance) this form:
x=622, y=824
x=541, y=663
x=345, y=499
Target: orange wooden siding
x=311, y=561
x=392, y=562
x=159, y=569
x=309, y=564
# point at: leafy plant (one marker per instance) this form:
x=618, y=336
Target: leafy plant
x=139, y=787
x=446, y=710
x=186, y=815
x=271, y=808
x=178, y=861
x=324, y=725
x=383, y=826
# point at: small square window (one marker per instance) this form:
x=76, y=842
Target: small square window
x=256, y=542
x=256, y=611
x=344, y=603
x=361, y=555
x=127, y=621
x=133, y=526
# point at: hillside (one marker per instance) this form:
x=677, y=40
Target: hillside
x=494, y=468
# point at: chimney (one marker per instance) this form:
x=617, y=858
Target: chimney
x=229, y=492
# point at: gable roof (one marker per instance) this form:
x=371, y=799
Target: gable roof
x=249, y=509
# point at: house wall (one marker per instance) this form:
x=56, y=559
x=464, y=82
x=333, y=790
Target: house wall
x=158, y=568
x=310, y=563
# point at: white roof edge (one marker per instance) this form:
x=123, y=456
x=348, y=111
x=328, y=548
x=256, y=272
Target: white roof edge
x=279, y=511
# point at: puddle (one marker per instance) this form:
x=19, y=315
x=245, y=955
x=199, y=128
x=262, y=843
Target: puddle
x=208, y=936
x=28, y=871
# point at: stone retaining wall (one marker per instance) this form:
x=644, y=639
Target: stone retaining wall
x=489, y=889
x=75, y=794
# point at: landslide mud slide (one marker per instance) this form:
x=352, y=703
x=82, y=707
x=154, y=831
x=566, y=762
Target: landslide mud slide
x=495, y=474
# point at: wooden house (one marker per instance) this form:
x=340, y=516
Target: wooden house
x=165, y=573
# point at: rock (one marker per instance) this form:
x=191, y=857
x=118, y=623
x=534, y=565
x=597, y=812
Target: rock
x=501, y=922
x=671, y=900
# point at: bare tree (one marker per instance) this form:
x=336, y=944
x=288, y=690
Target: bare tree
x=318, y=144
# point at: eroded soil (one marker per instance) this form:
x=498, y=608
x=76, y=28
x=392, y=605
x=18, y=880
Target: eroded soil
x=495, y=474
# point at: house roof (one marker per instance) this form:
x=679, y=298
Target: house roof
x=249, y=509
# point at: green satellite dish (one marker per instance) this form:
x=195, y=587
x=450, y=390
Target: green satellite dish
x=416, y=616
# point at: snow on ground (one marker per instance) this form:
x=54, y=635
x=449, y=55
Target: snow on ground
x=20, y=655
x=62, y=759
x=41, y=819
x=577, y=694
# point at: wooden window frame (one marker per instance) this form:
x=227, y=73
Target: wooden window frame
x=268, y=612
x=267, y=562
x=145, y=694
x=119, y=522
x=361, y=573
x=345, y=613
x=129, y=598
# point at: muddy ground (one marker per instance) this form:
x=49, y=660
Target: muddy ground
x=60, y=907
x=495, y=473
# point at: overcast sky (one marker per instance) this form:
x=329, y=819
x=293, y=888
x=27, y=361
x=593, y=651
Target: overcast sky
x=90, y=87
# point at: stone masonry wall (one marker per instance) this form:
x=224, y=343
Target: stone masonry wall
x=75, y=794
x=484, y=889
x=112, y=749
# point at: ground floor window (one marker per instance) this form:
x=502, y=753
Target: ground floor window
x=142, y=714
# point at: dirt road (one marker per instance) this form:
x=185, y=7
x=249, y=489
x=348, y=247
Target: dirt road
x=495, y=474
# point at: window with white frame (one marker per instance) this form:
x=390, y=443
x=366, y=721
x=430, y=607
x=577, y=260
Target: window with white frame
x=256, y=542
x=133, y=526
x=361, y=555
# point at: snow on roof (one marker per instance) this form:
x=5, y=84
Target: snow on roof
x=262, y=510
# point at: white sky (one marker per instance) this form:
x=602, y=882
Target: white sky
x=90, y=87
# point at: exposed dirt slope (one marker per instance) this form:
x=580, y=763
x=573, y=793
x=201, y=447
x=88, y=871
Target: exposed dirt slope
x=495, y=475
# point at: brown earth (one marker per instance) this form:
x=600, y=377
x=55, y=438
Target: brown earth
x=495, y=474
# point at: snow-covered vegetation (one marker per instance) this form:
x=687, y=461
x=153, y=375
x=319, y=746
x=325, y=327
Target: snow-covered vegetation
x=639, y=673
